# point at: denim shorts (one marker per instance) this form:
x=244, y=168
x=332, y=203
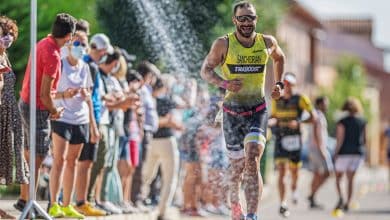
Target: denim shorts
x=42, y=133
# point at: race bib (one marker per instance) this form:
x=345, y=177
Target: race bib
x=291, y=142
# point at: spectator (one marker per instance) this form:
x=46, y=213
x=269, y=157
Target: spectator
x=48, y=74
x=99, y=48
x=148, y=71
x=70, y=132
x=11, y=135
x=163, y=151
x=349, y=155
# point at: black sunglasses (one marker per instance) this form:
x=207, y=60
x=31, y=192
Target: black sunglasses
x=244, y=18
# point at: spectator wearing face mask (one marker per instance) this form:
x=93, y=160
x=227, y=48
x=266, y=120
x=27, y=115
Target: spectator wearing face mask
x=12, y=160
x=70, y=132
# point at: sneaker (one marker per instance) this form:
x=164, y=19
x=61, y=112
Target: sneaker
x=128, y=208
x=251, y=216
x=223, y=210
x=283, y=211
x=237, y=213
x=20, y=204
x=294, y=197
x=314, y=204
x=141, y=207
x=88, y=210
x=71, y=212
x=211, y=208
x=110, y=207
x=56, y=211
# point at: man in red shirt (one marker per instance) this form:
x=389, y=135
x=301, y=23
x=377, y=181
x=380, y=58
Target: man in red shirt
x=48, y=73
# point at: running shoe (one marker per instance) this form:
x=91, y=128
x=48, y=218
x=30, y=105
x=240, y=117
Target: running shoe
x=283, y=211
x=295, y=197
x=70, y=212
x=211, y=208
x=110, y=207
x=237, y=213
x=56, y=211
x=313, y=204
x=128, y=208
x=223, y=210
x=338, y=210
x=88, y=210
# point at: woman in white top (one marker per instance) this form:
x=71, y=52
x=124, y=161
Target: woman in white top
x=71, y=131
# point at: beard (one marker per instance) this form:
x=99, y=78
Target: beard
x=246, y=30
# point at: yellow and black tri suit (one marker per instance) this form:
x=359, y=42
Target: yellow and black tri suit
x=245, y=117
x=288, y=143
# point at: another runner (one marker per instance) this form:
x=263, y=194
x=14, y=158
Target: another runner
x=286, y=117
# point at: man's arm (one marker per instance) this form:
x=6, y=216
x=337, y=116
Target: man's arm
x=216, y=57
x=278, y=59
x=277, y=56
x=46, y=98
x=213, y=59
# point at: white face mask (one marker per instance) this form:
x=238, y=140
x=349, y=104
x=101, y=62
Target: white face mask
x=77, y=52
x=102, y=59
x=6, y=41
x=116, y=68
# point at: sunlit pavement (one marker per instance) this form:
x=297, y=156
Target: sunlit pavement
x=372, y=201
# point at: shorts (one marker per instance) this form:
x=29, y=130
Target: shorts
x=124, y=149
x=282, y=155
x=238, y=128
x=42, y=132
x=318, y=164
x=75, y=134
x=134, y=152
x=346, y=163
x=89, y=152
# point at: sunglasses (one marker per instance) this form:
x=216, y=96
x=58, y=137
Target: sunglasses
x=244, y=18
x=78, y=43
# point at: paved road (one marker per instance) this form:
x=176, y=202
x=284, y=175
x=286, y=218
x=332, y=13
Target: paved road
x=372, y=201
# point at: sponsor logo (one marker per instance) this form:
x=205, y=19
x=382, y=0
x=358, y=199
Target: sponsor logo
x=245, y=69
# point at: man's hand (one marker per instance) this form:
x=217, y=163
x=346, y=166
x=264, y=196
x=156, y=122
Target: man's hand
x=232, y=85
x=276, y=92
x=57, y=114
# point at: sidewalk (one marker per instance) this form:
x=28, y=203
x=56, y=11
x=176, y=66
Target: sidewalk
x=372, y=197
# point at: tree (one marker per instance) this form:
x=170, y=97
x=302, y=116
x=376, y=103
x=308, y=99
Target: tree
x=164, y=30
x=351, y=81
x=19, y=10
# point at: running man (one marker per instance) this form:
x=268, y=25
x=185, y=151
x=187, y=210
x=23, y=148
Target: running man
x=320, y=160
x=286, y=115
x=243, y=56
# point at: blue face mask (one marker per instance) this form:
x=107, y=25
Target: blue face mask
x=77, y=52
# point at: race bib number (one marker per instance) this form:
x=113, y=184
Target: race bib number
x=291, y=142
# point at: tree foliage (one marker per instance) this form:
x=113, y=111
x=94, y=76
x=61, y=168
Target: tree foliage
x=351, y=81
x=208, y=19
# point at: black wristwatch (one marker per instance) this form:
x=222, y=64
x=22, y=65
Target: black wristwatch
x=280, y=84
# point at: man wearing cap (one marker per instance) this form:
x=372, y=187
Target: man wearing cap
x=243, y=56
x=285, y=120
x=100, y=46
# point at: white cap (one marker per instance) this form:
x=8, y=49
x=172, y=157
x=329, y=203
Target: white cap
x=101, y=41
x=290, y=78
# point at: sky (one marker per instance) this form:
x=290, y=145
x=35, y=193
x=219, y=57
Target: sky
x=376, y=9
